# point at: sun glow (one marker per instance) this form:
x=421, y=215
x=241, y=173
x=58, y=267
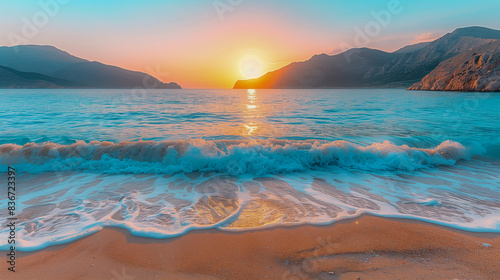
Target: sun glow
x=251, y=68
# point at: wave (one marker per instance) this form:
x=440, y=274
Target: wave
x=234, y=157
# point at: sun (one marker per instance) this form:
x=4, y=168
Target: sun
x=251, y=68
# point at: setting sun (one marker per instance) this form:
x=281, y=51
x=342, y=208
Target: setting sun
x=251, y=68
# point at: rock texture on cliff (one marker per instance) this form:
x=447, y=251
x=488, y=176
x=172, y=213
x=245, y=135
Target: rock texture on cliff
x=475, y=70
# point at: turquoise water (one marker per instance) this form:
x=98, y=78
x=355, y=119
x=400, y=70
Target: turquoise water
x=163, y=162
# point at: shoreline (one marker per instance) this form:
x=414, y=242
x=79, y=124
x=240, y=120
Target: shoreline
x=368, y=247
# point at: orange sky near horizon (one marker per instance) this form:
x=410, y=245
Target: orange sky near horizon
x=210, y=55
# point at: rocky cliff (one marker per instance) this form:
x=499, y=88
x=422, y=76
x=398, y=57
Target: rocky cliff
x=475, y=70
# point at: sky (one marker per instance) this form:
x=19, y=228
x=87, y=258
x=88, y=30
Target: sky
x=213, y=43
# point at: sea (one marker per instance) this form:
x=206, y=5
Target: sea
x=161, y=163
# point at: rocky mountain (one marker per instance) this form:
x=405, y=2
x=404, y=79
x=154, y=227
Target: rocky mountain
x=365, y=67
x=475, y=70
x=57, y=64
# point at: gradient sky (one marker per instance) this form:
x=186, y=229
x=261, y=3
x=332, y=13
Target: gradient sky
x=189, y=43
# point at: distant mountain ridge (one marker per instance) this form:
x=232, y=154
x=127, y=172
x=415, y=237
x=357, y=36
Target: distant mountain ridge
x=69, y=71
x=364, y=67
x=412, y=48
x=11, y=78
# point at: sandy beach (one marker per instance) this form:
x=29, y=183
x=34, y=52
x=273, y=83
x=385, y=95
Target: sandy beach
x=365, y=248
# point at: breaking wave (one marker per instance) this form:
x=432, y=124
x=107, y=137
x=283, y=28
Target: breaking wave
x=259, y=157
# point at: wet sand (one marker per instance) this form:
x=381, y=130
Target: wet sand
x=364, y=248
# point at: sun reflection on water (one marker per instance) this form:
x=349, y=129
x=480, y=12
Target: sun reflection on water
x=251, y=127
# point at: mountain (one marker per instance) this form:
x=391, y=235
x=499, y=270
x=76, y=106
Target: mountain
x=10, y=78
x=348, y=69
x=363, y=67
x=105, y=76
x=475, y=70
x=416, y=65
x=412, y=48
x=55, y=63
